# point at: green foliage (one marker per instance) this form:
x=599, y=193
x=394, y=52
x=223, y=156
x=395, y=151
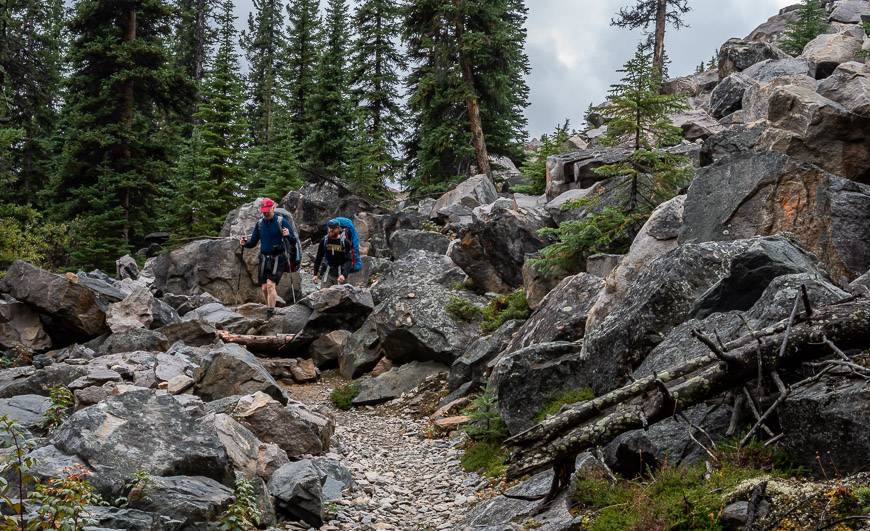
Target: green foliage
x=571, y=396
x=342, y=397
x=243, y=513
x=503, y=309
x=863, y=495
x=26, y=235
x=369, y=163
x=63, y=500
x=487, y=458
x=15, y=466
x=486, y=425
x=654, y=177
x=812, y=21
x=463, y=309
x=534, y=169
x=299, y=69
x=636, y=110
x=136, y=488
x=62, y=402
x=264, y=44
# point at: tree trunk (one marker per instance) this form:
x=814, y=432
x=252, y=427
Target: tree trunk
x=602, y=419
x=262, y=344
x=471, y=100
x=659, y=46
x=127, y=106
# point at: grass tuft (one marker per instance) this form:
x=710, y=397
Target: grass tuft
x=486, y=458
x=503, y=309
x=342, y=397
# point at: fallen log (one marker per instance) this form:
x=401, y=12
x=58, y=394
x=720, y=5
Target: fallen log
x=560, y=439
x=263, y=344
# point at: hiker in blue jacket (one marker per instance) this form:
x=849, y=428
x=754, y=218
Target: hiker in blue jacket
x=270, y=233
x=334, y=260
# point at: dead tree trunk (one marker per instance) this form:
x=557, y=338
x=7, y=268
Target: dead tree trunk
x=597, y=422
x=262, y=344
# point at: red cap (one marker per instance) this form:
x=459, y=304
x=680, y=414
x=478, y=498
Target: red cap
x=266, y=205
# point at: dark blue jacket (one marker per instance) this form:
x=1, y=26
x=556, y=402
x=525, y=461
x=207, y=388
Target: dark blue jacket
x=270, y=237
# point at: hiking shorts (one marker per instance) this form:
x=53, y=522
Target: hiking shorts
x=272, y=267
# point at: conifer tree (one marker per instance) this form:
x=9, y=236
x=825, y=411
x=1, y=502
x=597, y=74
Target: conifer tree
x=275, y=167
x=194, y=36
x=375, y=78
x=534, y=169
x=116, y=153
x=264, y=44
x=656, y=13
x=31, y=48
x=300, y=62
x=328, y=103
x=366, y=159
x=210, y=176
x=812, y=21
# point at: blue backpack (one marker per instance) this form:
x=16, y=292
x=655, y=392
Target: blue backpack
x=348, y=229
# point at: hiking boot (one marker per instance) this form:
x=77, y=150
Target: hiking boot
x=270, y=312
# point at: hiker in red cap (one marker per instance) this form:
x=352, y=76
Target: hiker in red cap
x=270, y=232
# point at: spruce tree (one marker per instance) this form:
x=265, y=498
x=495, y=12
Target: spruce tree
x=274, y=167
x=366, y=160
x=211, y=170
x=31, y=48
x=264, y=44
x=375, y=78
x=656, y=13
x=116, y=152
x=300, y=62
x=812, y=21
x=194, y=36
x=328, y=104
x=534, y=169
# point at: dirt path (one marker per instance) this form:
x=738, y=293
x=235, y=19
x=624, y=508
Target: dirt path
x=405, y=480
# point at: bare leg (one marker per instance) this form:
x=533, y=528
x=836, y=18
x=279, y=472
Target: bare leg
x=271, y=294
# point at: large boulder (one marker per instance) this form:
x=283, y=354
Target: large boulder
x=194, y=500
x=249, y=455
x=657, y=237
x=231, y=370
x=20, y=326
x=140, y=310
x=141, y=430
x=294, y=427
x=317, y=202
x=131, y=340
x=298, y=491
x=194, y=333
x=692, y=85
x=761, y=194
x=343, y=307
x=525, y=381
x=576, y=170
x=28, y=411
x=472, y=365
x=829, y=50
x=326, y=349
x=361, y=352
x=727, y=97
x=396, y=381
x=30, y=380
x=411, y=320
x=493, y=248
x=404, y=240
x=458, y=203
x=849, y=11
x=812, y=128
x=736, y=55
x=731, y=141
x=696, y=124
x=757, y=98
x=772, y=30
x=562, y=314
x=694, y=280
x=74, y=308
x=770, y=69
x=849, y=86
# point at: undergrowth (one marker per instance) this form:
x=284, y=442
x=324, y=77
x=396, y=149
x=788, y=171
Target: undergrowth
x=243, y=513
x=570, y=396
x=504, y=308
x=486, y=430
x=463, y=309
x=342, y=397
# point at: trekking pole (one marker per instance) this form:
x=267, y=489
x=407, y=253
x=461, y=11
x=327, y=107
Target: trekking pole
x=292, y=288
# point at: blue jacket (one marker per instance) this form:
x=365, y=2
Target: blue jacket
x=270, y=237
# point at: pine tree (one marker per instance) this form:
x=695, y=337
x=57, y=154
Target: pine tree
x=328, y=128
x=658, y=13
x=812, y=21
x=275, y=166
x=194, y=36
x=264, y=44
x=116, y=151
x=465, y=84
x=367, y=164
x=300, y=62
x=534, y=169
x=375, y=78
x=31, y=47
x=211, y=170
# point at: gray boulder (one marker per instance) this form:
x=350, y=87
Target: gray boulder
x=537, y=283
x=575, y=170
x=140, y=310
x=343, y=307
x=727, y=97
x=194, y=500
x=760, y=194
x=186, y=303
x=294, y=427
x=28, y=411
x=736, y=55
x=396, y=381
x=108, y=518
x=696, y=124
x=770, y=69
x=829, y=50
x=132, y=340
x=732, y=141
x=326, y=349
x=526, y=380
x=493, y=248
x=459, y=202
x=849, y=11
x=757, y=98
x=472, y=365
x=361, y=352
x=404, y=240
x=298, y=491
x=126, y=268
x=693, y=280
x=849, y=86
x=220, y=317
x=74, y=308
x=317, y=202
x=20, y=326
x=141, y=430
x=30, y=380
x=692, y=85
x=192, y=332
x=231, y=370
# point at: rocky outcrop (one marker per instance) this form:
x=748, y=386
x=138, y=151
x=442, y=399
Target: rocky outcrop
x=404, y=240
x=456, y=205
x=231, y=370
x=763, y=194
x=20, y=326
x=736, y=55
x=74, y=309
x=294, y=427
x=471, y=367
x=140, y=310
x=396, y=381
x=829, y=50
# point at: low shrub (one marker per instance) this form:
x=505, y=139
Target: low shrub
x=463, y=309
x=503, y=309
x=342, y=397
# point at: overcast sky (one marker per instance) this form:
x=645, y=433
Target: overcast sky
x=574, y=52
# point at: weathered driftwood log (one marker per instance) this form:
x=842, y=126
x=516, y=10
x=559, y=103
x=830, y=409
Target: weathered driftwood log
x=557, y=440
x=263, y=344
